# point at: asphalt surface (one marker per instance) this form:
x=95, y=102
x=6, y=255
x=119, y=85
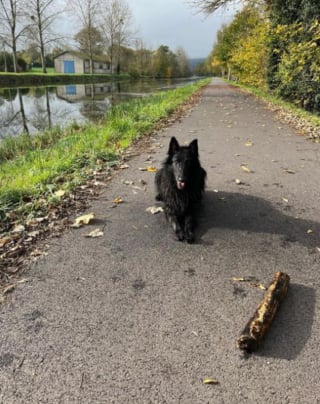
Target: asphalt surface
x=137, y=317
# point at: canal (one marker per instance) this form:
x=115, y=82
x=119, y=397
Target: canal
x=36, y=109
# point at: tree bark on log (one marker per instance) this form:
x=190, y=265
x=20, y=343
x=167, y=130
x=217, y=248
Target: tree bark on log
x=260, y=322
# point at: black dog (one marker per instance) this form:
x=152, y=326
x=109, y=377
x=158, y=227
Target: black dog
x=180, y=184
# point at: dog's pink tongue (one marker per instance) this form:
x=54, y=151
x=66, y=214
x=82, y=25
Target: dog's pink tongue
x=180, y=184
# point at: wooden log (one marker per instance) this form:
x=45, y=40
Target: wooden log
x=255, y=330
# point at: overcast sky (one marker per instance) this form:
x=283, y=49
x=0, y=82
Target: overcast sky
x=175, y=23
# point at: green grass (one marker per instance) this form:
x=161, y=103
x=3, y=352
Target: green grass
x=34, y=167
x=50, y=70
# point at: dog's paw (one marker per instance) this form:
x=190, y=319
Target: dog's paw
x=180, y=235
x=190, y=238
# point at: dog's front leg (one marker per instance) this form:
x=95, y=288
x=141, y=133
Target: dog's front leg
x=173, y=220
x=188, y=228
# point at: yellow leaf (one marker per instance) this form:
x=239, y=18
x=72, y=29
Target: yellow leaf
x=151, y=169
x=210, y=381
x=60, y=193
x=249, y=143
x=238, y=279
x=245, y=168
x=84, y=219
x=258, y=285
x=118, y=201
x=95, y=233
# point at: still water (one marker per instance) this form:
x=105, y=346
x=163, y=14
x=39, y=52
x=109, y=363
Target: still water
x=36, y=109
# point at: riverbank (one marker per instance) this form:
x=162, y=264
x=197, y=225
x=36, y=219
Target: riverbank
x=36, y=79
x=49, y=166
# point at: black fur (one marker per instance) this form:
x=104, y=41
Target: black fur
x=180, y=184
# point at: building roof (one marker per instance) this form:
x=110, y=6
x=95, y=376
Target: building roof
x=82, y=55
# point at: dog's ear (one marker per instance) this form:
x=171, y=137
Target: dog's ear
x=194, y=147
x=173, y=146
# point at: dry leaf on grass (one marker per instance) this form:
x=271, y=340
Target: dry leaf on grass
x=60, y=193
x=95, y=233
x=18, y=229
x=84, y=219
x=249, y=143
x=123, y=166
x=309, y=231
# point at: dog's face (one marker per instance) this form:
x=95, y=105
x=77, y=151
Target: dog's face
x=182, y=161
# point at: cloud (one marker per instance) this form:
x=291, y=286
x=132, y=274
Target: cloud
x=175, y=23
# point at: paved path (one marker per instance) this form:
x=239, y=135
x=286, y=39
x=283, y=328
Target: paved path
x=137, y=317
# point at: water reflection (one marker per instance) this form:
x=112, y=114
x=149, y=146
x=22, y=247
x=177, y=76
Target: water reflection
x=35, y=109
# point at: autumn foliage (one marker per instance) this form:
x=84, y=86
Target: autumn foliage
x=273, y=46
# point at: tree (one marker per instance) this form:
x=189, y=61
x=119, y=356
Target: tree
x=142, y=59
x=42, y=16
x=209, y=6
x=183, y=64
x=115, y=25
x=12, y=26
x=87, y=12
x=89, y=41
x=164, y=63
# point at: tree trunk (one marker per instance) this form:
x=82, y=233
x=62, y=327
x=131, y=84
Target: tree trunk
x=259, y=324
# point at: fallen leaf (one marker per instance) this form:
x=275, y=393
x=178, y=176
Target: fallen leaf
x=285, y=200
x=258, y=285
x=241, y=279
x=34, y=233
x=154, y=209
x=249, y=143
x=5, y=240
x=117, y=201
x=309, y=231
x=95, y=233
x=210, y=381
x=123, y=166
x=18, y=229
x=245, y=168
x=151, y=169
x=128, y=182
x=60, y=193
x=84, y=219
x=289, y=171
x=238, y=182
x=318, y=249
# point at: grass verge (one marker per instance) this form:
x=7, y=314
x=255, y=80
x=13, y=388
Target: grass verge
x=33, y=168
x=306, y=122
